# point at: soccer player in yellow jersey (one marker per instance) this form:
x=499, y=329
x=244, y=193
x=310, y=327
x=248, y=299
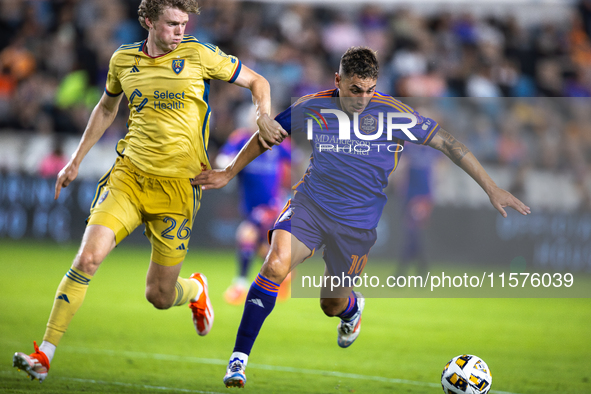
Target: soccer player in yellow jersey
x=166, y=80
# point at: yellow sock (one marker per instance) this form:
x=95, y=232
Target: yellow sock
x=185, y=290
x=69, y=297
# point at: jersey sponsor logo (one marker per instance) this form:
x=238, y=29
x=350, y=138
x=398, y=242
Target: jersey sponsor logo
x=158, y=95
x=103, y=197
x=174, y=100
x=134, y=69
x=178, y=65
x=137, y=93
x=181, y=247
x=317, y=117
x=332, y=143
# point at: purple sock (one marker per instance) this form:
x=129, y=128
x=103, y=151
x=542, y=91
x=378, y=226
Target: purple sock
x=259, y=304
x=245, y=256
x=351, y=308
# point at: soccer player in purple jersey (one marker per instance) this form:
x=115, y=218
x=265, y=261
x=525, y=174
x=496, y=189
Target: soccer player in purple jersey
x=261, y=199
x=418, y=206
x=340, y=198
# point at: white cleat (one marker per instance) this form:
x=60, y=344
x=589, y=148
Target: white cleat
x=349, y=330
x=235, y=375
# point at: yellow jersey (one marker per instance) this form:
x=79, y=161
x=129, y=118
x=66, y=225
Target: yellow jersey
x=168, y=126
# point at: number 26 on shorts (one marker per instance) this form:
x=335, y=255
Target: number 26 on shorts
x=183, y=232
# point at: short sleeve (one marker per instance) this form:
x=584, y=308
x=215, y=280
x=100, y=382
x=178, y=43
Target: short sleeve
x=284, y=119
x=424, y=130
x=421, y=133
x=217, y=65
x=113, y=86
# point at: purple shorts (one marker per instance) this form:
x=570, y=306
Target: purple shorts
x=345, y=248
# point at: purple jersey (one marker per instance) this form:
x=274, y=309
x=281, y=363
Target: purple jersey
x=421, y=162
x=259, y=181
x=346, y=177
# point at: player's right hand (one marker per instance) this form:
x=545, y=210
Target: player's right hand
x=212, y=179
x=270, y=132
x=500, y=199
x=65, y=177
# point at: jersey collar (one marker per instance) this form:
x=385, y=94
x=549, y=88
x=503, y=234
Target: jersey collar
x=145, y=50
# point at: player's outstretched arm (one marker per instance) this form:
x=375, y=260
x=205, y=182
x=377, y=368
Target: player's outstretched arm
x=459, y=154
x=216, y=179
x=100, y=119
x=271, y=132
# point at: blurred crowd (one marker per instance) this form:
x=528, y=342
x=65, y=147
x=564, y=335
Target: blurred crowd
x=54, y=57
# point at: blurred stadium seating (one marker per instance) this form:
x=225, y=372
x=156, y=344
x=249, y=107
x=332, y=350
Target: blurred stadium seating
x=512, y=79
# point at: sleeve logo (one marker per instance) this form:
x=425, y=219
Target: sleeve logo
x=103, y=197
x=286, y=215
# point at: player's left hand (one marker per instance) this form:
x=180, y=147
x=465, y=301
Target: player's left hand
x=270, y=131
x=500, y=199
x=211, y=179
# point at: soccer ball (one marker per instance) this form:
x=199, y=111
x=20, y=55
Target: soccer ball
x=466, y=374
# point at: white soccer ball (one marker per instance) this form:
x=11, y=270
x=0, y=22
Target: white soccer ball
x=466, y=374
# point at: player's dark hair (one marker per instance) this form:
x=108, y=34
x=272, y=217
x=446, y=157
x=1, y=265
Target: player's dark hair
x=360, y=61
x=152, y=9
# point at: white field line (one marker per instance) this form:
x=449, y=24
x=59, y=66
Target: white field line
x=143, y=386
x=213, y=361
x=137, y=386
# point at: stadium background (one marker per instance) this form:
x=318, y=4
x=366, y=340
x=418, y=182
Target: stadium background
x=54, y=55
x=485, y=60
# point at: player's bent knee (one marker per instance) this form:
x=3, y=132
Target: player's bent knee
x=332, y=306
x=275, y=267
x=87, y=262
x=158, y=299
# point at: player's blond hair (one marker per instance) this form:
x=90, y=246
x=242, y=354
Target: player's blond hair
x=152, y=9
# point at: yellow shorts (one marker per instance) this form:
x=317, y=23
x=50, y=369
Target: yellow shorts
x=127, y=196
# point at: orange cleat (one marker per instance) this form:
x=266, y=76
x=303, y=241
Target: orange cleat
x=202, y=309
x=236, y=293
x=35, y=365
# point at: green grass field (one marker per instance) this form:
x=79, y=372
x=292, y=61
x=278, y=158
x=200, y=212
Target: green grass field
x=118, y=343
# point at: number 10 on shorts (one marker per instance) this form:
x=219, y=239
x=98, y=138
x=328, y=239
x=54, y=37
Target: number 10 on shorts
x=357, y=265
